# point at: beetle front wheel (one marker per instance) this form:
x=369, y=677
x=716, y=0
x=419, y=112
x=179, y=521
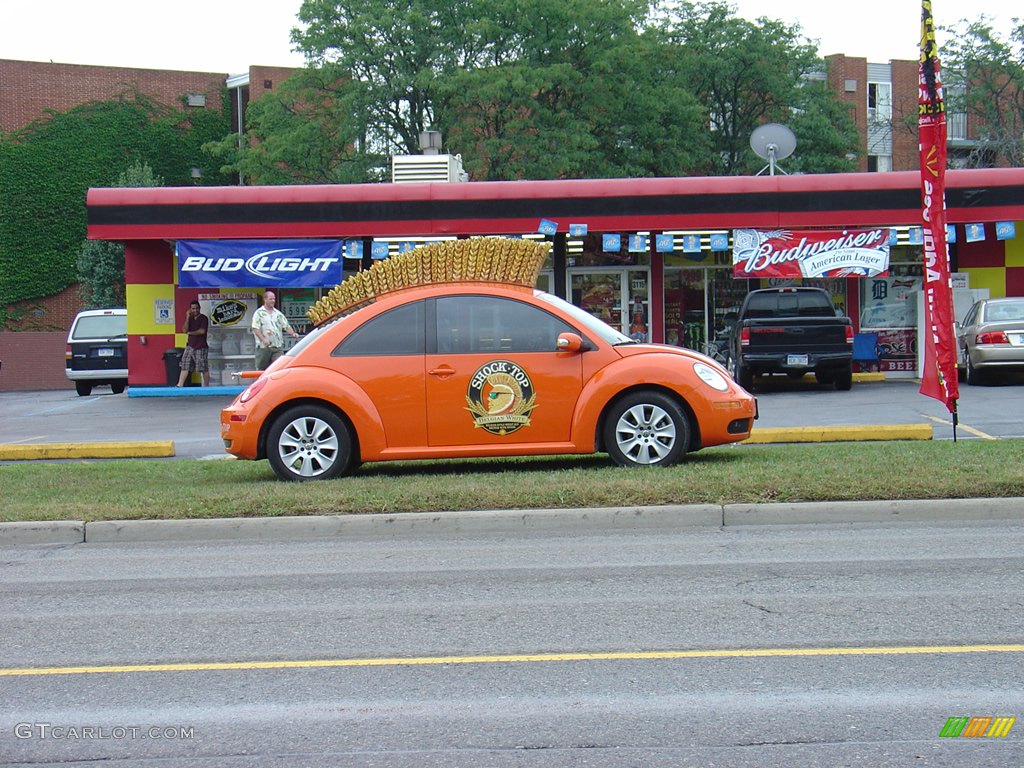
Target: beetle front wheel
x=309, y=443
x=646, y=429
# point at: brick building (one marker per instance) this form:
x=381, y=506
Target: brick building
x=29, y=90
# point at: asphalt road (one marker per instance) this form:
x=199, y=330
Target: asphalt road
x=292, y=624
x=192, y=422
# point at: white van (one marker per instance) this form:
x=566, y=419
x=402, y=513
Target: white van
x=97, y=350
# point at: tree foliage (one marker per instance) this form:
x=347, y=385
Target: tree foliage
x=983, y=75
x=539, y=89
x=101, y=262
x=47, y=168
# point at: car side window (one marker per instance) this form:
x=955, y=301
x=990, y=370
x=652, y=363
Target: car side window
x=398, y=331
x=969, y=320
x=473, y=324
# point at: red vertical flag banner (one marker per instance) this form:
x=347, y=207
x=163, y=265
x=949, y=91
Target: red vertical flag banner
x=939, y=377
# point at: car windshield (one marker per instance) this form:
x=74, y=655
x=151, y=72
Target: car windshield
x=1004, y=311
x=584, y=318
x=101, y=327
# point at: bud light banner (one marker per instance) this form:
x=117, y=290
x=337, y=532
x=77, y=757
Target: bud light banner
x=259, y=263
x=760, y=253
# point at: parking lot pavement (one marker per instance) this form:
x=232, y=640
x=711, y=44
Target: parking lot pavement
x=192, y=423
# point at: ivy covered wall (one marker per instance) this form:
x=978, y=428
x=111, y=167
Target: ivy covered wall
x=47, y=168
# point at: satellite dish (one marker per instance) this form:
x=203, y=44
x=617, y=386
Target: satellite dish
x=773, y=142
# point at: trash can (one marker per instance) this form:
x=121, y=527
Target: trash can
x=172, y=364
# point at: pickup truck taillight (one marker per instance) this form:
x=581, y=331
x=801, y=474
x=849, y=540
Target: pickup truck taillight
x=744, y=337
x=849, y=335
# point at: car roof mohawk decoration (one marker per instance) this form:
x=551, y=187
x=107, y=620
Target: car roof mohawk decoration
x=477, y=260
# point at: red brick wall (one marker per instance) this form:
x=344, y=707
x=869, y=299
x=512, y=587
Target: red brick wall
x=840, y=69
x=29, y=88
x=33, y=360
x=51, y=313
x=905, y=155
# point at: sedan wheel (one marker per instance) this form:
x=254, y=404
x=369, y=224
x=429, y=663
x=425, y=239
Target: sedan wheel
x=973, y=374
x=646, y=429
x=309, y=443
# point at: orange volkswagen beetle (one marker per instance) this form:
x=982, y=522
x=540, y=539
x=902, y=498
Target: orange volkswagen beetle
x=448, y=352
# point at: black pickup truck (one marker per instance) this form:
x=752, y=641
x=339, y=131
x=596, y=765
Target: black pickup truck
x=792, y=331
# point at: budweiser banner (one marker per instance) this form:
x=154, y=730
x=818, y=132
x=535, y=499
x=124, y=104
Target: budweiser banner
x=939, y=377
x=760, y=253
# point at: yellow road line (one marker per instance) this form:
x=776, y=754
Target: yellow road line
x=964, y=427
x=517, y=659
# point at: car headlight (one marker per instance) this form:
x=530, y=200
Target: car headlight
x=711, y=377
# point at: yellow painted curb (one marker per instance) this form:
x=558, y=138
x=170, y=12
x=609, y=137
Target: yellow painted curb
x=841, y=433
x=869, y=376
x=130, y=450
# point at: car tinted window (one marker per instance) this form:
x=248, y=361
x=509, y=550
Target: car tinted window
x=100, y=327
x=398, y=331
x=470, y=324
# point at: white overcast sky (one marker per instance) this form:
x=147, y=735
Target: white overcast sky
x=222, y=36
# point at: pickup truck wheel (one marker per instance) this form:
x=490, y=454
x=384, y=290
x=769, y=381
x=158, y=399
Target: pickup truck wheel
x=646, y=429
x=83, y=388
x=844, y=380
x=744, y=377
x=309, y=442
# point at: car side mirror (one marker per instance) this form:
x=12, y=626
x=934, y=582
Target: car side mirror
x=571, y=342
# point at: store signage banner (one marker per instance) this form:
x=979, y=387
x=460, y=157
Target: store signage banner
x=760, y=253
x=259, y=263
x=939, y=375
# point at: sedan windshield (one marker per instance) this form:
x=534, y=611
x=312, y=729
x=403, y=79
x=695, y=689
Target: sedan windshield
x=587, y=320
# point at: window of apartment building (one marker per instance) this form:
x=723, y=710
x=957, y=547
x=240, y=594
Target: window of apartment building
x=879, y=163
x=879, y=102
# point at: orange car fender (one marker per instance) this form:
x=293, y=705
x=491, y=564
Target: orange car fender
x=339, y=392
x=652, y=371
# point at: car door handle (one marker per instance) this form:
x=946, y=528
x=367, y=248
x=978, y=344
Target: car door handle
x=443, y=372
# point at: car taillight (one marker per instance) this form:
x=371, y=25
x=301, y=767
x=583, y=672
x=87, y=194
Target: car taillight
x=849, y=334
x=252, y=390
x=67, y=353
x=744, y=337
x=992, y=337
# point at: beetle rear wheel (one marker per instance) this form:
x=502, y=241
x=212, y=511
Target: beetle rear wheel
x=309, y=443
x=646, y=429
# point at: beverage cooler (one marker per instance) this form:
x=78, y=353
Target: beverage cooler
x=232, y=345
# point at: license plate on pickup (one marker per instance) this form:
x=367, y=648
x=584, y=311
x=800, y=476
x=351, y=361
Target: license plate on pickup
x=105, y=352
x=797, y=361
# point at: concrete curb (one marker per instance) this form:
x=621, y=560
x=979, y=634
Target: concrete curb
x=42, y=532
x=116, y=450
x=621, y=518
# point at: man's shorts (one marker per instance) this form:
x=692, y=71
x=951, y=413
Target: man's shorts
x=195, y=360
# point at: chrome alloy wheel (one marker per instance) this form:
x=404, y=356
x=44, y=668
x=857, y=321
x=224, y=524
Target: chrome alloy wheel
x=308, y=447
x=645, y=433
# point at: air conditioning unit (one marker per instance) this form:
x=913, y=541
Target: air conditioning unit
x=417, y=169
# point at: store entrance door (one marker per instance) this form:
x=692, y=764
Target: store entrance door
x=620, y=297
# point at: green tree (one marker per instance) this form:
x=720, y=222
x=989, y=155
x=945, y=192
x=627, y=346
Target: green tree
x=101, y=262
x=983, y=75
x=749, y=73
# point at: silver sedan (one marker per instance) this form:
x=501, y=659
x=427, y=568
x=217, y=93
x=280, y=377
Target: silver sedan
x=991, y=338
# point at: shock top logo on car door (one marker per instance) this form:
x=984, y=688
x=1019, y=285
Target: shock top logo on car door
x=501, y=397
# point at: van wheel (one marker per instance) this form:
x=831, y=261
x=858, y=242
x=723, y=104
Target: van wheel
x=83, y=388
x=309, y=442
x=646, y=429
x=117, y=387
